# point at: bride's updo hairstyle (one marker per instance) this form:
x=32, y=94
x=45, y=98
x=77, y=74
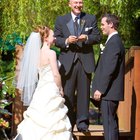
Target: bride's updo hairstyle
x=43, y=30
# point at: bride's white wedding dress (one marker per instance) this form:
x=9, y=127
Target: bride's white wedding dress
x=45, y=118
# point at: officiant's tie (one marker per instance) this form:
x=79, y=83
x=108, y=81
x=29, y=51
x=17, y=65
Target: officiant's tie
x=77, y=30
x=76, y=25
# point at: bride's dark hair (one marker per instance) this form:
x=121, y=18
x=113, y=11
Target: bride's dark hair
x=43, y=30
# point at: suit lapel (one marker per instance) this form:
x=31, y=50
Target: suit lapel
x=71, y=27
x=82, y=22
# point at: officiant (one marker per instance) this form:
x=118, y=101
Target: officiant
x=76, y=33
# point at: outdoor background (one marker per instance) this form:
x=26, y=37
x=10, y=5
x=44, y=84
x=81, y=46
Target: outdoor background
x=19, y=17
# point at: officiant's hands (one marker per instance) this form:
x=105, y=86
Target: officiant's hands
x=97, y=95
x=82, y=38
x=73, y=39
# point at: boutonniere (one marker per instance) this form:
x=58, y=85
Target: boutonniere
x=82, y=22
x=102, y=47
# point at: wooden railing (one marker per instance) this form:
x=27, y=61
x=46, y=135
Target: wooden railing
x=128, y=112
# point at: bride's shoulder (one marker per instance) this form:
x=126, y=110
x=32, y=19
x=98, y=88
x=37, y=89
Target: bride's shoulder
x=52, y=53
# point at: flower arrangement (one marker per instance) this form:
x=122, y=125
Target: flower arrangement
x=5, y=115
x=4, y=123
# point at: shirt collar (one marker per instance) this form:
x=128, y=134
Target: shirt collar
x=111, y=36
x=73, y=16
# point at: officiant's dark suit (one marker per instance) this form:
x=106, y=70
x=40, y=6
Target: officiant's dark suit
x=108, y=82
x=77, y=59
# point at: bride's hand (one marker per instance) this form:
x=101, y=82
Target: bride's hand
x=61, y=92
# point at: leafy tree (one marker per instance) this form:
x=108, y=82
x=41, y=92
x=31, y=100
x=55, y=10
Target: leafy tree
x=21, y=16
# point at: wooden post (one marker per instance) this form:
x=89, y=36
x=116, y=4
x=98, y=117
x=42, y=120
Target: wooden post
x=17, y=106
x=137, y=91
x=129, y=110
x=124, y=110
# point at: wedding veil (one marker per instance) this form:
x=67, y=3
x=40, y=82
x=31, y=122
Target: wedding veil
x=28, y=75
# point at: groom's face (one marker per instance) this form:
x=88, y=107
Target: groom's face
x=105, y=27
x=76, y=6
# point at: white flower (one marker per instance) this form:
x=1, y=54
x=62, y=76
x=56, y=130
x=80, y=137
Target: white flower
x=102, y=47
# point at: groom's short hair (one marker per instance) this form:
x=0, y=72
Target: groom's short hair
x=111, y=18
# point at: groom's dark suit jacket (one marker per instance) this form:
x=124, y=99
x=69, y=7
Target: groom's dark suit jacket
x=64, y=27
x=109, y=74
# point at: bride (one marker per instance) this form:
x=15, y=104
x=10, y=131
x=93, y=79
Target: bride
x=45, y=118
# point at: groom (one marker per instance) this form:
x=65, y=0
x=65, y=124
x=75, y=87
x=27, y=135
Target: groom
x=75, y=34
x=108, y=81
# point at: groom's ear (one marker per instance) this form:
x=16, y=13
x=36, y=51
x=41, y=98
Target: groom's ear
x=111, y=25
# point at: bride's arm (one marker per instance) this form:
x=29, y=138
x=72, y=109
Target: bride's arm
x=54, y=67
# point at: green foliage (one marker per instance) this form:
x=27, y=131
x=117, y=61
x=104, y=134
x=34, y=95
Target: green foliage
x=20, y=16
x=5, y=100
x=10, y=42
x=127, y=10
x=7, y=76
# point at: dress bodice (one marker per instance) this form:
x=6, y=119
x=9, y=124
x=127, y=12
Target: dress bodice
x=45, y=74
